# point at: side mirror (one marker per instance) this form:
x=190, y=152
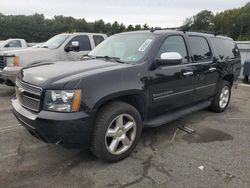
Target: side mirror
x=7, y=46
x=74, y=46
x=169, y=58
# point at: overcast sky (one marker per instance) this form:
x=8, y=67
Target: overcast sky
x=162, y=13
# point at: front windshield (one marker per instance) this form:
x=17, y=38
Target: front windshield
x=55, y=41
x=127, y=47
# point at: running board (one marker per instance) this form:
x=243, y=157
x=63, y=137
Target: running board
x=171, y=116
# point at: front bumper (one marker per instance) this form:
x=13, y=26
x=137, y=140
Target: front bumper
x=8, y=75
x=68, y=129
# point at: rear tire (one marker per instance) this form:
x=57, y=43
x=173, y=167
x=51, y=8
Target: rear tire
x=222, y=98
x=117, y=131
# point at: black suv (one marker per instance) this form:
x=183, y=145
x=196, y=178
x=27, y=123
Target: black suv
x=130, y=81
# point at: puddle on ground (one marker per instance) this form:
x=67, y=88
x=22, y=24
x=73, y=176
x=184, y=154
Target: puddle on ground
x=206, y=135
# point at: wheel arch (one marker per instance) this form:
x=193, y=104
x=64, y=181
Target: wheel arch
x=135, y=98
x=229, y=78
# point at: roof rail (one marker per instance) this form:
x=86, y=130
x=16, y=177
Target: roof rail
x=215, y=33
x=184, y=29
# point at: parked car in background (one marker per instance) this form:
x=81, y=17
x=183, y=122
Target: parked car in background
x=66, y=46
x=12, y=44
x=130, y=81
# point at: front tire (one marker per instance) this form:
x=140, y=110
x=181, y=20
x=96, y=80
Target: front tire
x=222, y=98
x=117, y=131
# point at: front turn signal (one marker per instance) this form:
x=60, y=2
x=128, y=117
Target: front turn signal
x=76, y=101
x=16, y=61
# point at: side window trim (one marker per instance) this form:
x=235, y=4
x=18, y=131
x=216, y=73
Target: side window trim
x=185, y=42
x=209, y=46
x=187, y=64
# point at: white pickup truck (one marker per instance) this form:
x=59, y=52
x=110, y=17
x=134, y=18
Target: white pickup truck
x=66, y=46
x=12, y=44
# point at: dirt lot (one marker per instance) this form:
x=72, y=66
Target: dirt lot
x=217, y=155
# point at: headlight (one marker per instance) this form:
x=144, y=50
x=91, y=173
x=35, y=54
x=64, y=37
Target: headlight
x=12, y=61
x=62, y=101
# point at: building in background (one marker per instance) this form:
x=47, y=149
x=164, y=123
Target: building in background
x=244, y=47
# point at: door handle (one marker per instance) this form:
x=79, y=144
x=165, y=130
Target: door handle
x=212, y=69
x=188, y=73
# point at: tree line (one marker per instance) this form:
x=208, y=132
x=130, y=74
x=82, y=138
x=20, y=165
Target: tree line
x=234, y=23
x=37, y=28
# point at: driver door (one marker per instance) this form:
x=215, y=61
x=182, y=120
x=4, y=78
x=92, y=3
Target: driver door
x=84, y=48
x=171, y=86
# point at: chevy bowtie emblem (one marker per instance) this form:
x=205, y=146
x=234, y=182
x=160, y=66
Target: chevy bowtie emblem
x=20, y=90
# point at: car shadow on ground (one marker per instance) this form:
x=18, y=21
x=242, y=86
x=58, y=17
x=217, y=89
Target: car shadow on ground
x=171, y=133
x=58, y=162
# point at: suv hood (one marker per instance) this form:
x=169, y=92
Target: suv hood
x=8, y=51
x=22, y=51
x=57, y=74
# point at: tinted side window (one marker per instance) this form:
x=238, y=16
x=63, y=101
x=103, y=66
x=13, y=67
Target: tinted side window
x=83, y=42
x=225, y=48
x=174, y=44
x=14, y=44
x=98, y=39
x=200, y=49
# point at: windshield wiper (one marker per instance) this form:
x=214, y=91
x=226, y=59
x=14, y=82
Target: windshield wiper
x=116, y=59
x=44, y=47
x=88, y=56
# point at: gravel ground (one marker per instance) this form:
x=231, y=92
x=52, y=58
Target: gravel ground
x=217, y=155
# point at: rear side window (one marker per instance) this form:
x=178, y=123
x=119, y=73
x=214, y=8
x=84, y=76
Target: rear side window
x=83, y=42
x=225, y=48
x=98, y=39
x=200, y=49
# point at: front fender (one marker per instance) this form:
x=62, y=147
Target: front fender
x=99, y=88
x=120, y=94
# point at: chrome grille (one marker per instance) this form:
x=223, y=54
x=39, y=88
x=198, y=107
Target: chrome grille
x=29, y=88
x=28, y=95
x=2, y=63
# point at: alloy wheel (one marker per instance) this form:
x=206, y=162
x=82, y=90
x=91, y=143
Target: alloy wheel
x=120, y=134
x=224, y=97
